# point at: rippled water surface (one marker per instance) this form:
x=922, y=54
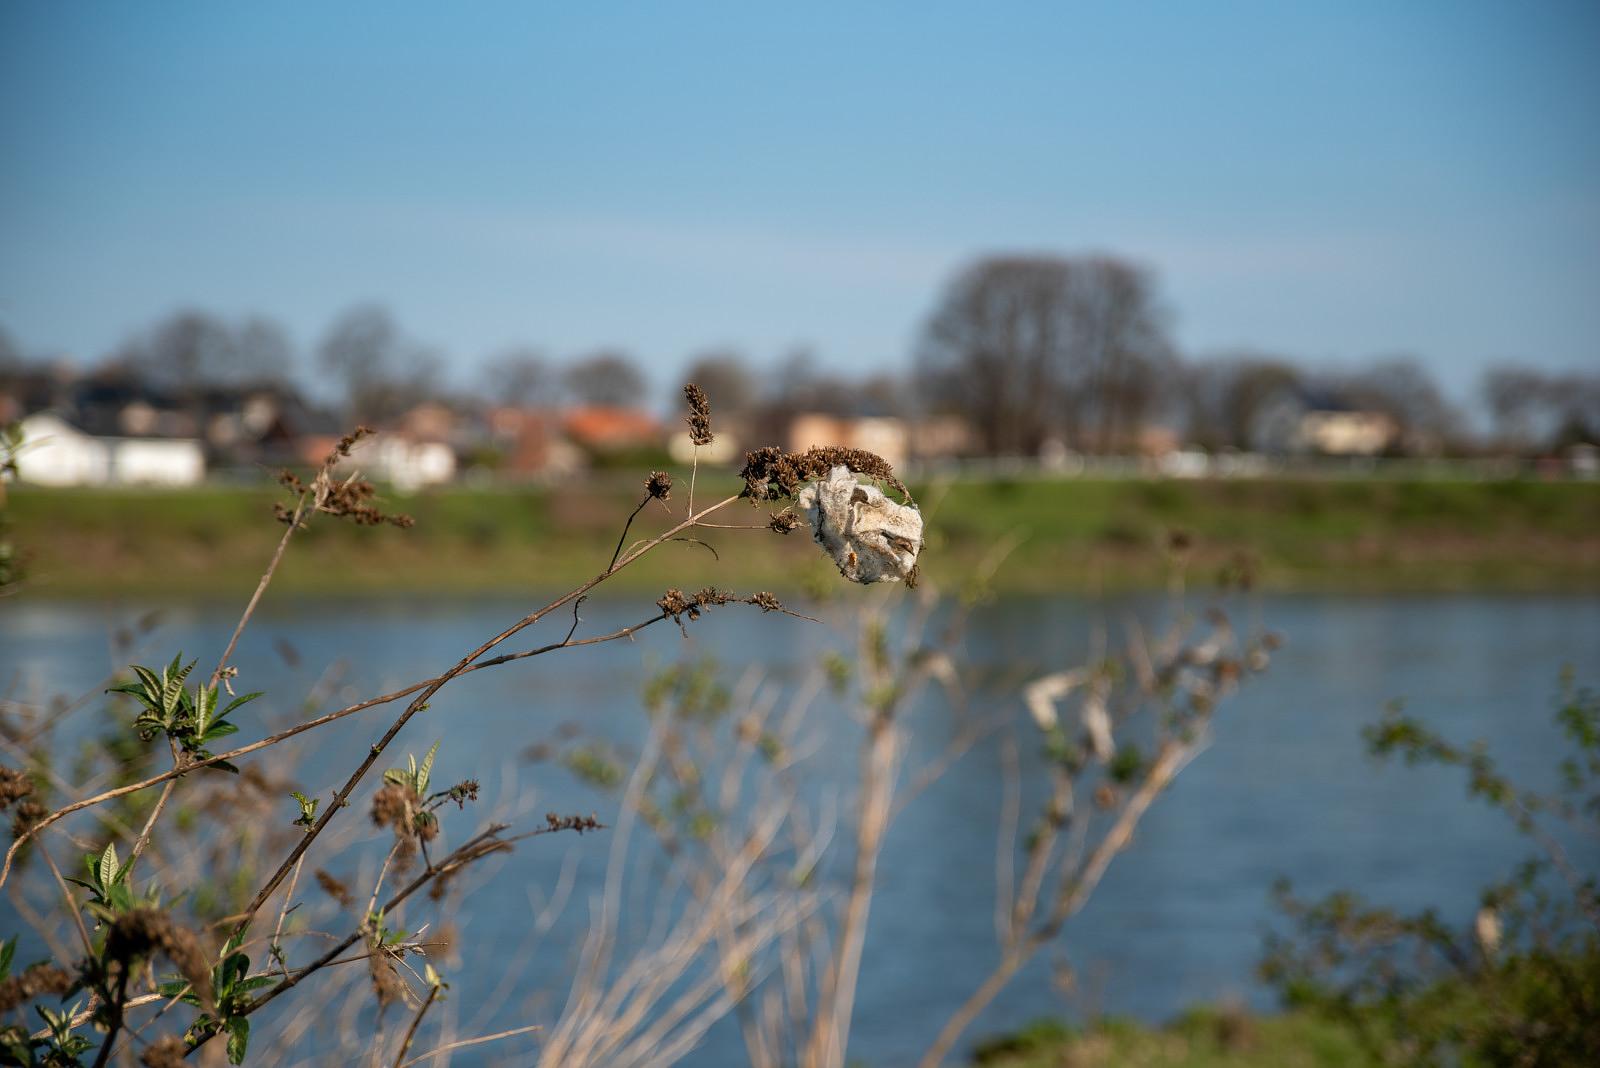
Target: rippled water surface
x=1284, y=789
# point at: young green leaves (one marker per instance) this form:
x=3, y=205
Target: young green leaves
x=190, y=718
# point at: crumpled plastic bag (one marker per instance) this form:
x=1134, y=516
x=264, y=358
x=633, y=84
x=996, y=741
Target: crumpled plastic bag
x=870, y=537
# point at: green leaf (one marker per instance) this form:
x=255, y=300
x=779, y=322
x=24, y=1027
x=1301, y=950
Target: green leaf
x=108, y=865
x=8, y=949
x=397, y=776
x=242, y=700
x=238, y=1039
x=220, y=729
x=426, y=770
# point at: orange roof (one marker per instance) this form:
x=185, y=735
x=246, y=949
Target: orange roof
x=612, y=427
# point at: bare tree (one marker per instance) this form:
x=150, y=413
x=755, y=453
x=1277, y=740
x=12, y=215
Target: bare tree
x=521, y=377
x=193, y=349
x=606, y=378
x=1033, y=347
x=183, y=352
x=1531, y=407
x=726, y=379
x=1224, y=398
x=383, y=373
x=1403, y=388
x=263, y=352
x=1515, y=397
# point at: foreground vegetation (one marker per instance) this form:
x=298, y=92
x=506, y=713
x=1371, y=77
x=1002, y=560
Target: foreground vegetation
x=1077, y=535
x=1201, y=1038
x=1367, y=985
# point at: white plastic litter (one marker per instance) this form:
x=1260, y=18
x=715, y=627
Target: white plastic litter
x=870, y=537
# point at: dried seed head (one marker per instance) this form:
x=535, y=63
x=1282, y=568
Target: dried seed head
x=783, y=522
x=386, y=981
x=14, y=786
x=165, y=1052
x=699, y=414
x=335, y=889
x=767, y=602
x=31, y=983
x=28, y=813
x=346, y=443
x=770, y=474
x=396, y=806
x=139, y=932
x=659, y=485
x=556, y=822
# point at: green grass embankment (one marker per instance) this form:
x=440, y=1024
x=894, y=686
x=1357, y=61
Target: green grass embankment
x=1201, y=1038
x=1071, y=535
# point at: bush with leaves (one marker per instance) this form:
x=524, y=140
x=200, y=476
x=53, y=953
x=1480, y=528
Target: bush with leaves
x=163, y=965
x=1520, y=984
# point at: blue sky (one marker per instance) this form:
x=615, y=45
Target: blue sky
x=1333, y=182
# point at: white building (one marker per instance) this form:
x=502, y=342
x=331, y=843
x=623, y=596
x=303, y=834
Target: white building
x=56, y=453
x=404, y=463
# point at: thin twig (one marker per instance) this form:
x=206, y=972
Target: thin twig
x=301, y=728
x=465, y=1042
x=416, y=1022
x=72, y=902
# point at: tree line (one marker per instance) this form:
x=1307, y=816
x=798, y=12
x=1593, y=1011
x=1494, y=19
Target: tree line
x=1028, y=350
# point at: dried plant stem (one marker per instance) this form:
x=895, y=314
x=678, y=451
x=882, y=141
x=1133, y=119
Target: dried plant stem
x=1073, y=894
x=72, y=902
x=283, y=914
x=416, y=1022
x=149, y=827
x=837, y=1000
x=465, y=1042
x=623, y=537
x=331, y=717
x=261, y=587
x=341, y=797
x=143, y=841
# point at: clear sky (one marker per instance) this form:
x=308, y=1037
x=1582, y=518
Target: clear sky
x=1331, y=181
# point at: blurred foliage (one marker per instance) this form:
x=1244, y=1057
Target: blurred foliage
x=1520, y=985
x=1201, y=1038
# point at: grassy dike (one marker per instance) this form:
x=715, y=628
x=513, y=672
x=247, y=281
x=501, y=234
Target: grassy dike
x=1072, y=535
x=1200, y=1038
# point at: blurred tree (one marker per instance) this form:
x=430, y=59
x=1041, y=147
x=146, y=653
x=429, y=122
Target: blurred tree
x=263, y=353
x=606, y=378
x=522, y=378
x=383, y=374
x=1516, y=397
x=1030, y=348
x=727, y=380
x=183, y=352
x=191, y=349
x=1531, y=408
x=802, y=386
x=1405, y=390
x=1224, y=398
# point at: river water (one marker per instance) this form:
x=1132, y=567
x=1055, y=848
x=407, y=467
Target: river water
x=1283, y=790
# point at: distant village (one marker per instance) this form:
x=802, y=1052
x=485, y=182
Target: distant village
x=197, y=397
x=88, y=430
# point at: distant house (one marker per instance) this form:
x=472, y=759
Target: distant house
x=723, y=449
x=942, y=437
x=528, y=443
x=1298, y=422
x=603, y=429
x=405, y=463
x=885, y=435
x=56, y=453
